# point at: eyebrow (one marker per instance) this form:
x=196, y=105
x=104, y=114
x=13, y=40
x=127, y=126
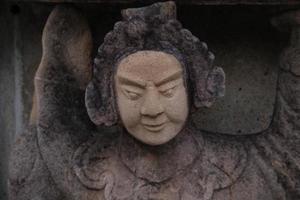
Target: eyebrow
x=169, y=78
x=131, y=81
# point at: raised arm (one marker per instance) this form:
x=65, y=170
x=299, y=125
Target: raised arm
x=41, y=160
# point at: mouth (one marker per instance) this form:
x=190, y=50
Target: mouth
x=154, y=127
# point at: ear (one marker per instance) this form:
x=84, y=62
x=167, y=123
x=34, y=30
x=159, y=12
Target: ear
x=215, y=84
x=209, y=89
x=100, y=103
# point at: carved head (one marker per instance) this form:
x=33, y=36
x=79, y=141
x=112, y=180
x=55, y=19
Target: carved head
x=149, y=73
x=151, y=96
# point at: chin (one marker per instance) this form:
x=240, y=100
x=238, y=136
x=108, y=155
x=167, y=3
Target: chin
x=154, y=138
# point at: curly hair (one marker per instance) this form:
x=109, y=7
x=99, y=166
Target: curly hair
x=151, y=28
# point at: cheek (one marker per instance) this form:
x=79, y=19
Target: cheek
x=129, y=110
x=176, y=108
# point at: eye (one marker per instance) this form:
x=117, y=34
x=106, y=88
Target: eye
x=169, y=92
x=132, y=95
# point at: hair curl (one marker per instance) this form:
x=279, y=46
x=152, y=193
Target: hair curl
x=151, y=28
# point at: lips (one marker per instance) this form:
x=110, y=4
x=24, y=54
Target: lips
x=154, y=127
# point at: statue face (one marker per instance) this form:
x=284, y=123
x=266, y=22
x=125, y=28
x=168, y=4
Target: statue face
x=151, y=96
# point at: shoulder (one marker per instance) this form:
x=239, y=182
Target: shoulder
x=224, y=159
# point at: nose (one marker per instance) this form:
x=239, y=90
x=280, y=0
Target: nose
x=152, y=106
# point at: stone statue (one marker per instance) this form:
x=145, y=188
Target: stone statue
x=129, y=134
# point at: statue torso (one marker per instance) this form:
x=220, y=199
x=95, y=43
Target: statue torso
x=188, y=168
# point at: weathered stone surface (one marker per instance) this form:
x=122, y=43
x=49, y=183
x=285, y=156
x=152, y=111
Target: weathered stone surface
x=76, y=160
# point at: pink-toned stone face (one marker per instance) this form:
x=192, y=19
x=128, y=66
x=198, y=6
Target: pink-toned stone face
x=151, y=96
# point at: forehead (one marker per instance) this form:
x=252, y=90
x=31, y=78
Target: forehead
x=149, y=65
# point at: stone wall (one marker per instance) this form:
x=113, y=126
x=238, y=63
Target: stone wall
x=242, y=38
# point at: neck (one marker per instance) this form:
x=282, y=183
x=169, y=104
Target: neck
x=159, y=163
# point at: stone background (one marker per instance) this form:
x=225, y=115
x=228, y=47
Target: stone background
x=242, y=38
